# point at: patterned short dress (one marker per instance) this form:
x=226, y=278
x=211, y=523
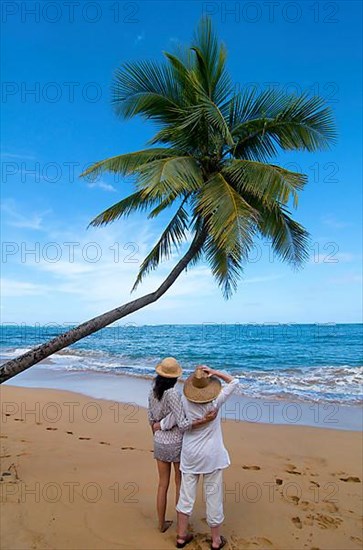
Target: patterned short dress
x=168, y=444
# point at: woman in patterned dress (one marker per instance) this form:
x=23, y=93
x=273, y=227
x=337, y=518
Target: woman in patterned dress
x=164, y=400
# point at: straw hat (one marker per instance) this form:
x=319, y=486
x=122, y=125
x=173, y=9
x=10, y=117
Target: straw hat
x=169, y=368
x=201, y=388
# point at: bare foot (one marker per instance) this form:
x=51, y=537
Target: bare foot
x=166, y=526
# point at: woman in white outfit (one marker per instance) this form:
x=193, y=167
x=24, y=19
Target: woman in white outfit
x=203, y=451
x=164, y=399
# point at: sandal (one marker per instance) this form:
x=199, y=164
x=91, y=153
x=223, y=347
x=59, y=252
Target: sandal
x=186, y=540
x=223, y=543
x=167, y=524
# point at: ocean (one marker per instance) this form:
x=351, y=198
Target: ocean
x=315, y=362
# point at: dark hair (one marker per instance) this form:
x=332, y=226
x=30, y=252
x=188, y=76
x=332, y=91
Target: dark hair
x=161, y=384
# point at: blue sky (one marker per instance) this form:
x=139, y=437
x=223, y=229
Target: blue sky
x=57, y=118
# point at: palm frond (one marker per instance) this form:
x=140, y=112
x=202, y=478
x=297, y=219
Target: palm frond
x=135, y=202
x=146, y=88
x=263, y=123
x=173, y=235
x=185, y=77
x=249, y=106
x=231, y=223
x=226, y=266
x=228, y=217
x=129, y=162
x=196, y=118
x=289, y=239
x=216, y=120
x=166, y=203
x=210, y=62
x=169, y=176
x=267, y=181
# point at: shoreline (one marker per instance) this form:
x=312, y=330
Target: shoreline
x=78, y=473
x=127, y=388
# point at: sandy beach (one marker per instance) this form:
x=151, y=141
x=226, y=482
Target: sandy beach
x=78, y=473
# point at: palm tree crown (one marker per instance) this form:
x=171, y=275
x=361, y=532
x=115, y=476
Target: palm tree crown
x=211, y=158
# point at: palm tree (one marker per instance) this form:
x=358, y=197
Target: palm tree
x=211, y=160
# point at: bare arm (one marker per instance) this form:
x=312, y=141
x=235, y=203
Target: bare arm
x=211, y=415
x=222, y=375
x=181, y=420
x=150, y=417
x=227, y=390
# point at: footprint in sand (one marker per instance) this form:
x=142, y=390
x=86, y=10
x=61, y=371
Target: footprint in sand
x=52, y=429
x=350, y=479
x=7, y=480
x=236, y=543
x=306, y=505
x=331, y=507
x=325, y=522
x=199, y=539
x=104, y=443
x=127, y=448
x=297, y=522
x=84, y=438
x=69, y=433
x=19, y=419
x=11, y=474
x=251, y=467
x=291, y=469
x=326, y=506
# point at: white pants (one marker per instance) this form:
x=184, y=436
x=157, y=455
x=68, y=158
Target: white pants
x=213, y=494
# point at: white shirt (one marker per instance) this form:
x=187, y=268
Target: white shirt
x=203, y=450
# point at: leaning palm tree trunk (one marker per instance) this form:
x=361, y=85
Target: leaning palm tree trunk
x=23, y=362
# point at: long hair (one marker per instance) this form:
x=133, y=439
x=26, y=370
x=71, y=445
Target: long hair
x=162, y=384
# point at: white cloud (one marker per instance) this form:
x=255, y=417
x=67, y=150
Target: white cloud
x=26, y=221
x=332, y=257
x=11, y=288
x=16, y=156
x=64, y=268
x=101, y=185
x=105, y=283
x=349, y=278
x=331, y=221
x=76, y=288
x=262, y=279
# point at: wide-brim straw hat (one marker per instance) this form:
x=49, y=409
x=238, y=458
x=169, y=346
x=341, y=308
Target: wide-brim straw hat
x=201, y=388
x=169, y=368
